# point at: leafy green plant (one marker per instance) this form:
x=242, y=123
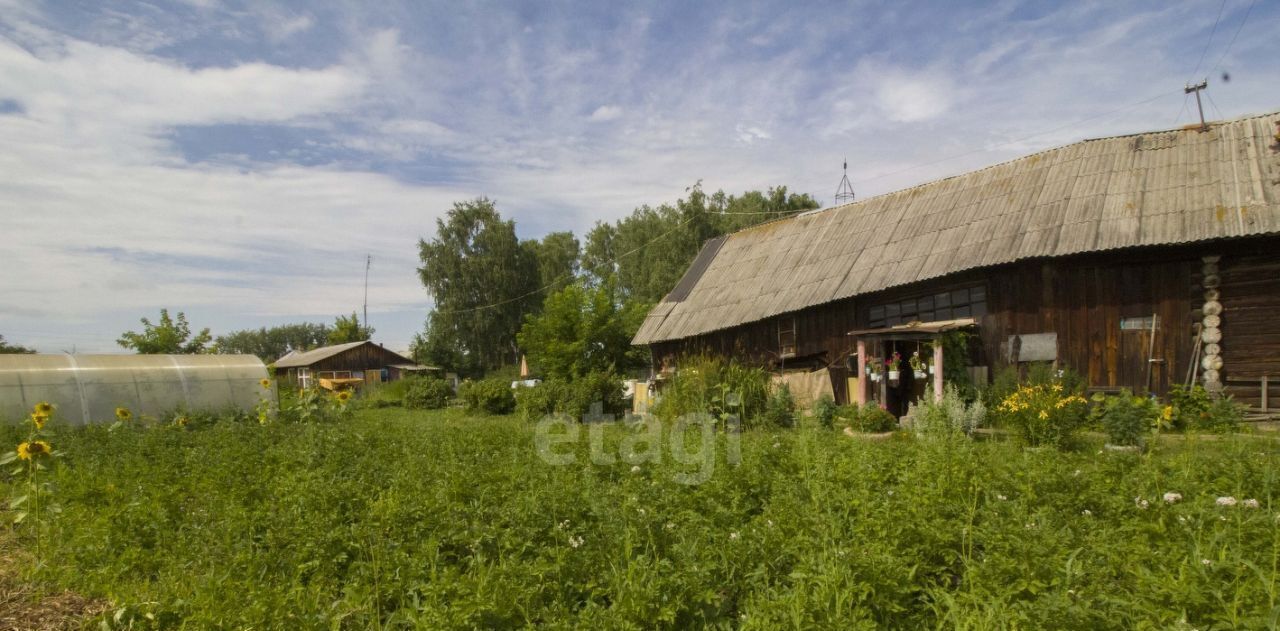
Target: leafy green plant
x=950, y=416
x=583, y=394
x=1224, y=415
x=713, y=386
x=1127, y=419
x=1042, y=414
x=490, y=396
x=873, y=419
x=1188, y=405
x=780, y=410
x=825, y=411
x=427, y=393
x=536, y=402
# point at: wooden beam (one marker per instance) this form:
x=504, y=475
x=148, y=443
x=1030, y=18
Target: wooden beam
x=861, y=395
x=937, y=369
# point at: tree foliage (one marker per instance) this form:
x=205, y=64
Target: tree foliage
x=168, y=336
x=481, y=279
x=272, y=343
x=13, y=349
x=348, y=329
x=583, y=330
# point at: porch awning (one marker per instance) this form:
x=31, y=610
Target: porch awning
x=916, y=330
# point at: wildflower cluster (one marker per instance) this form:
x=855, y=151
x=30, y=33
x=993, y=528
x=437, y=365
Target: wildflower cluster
x=30, y=456
x=1042, y=414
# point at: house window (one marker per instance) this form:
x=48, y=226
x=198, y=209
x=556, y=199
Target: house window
x=304, y=377
x=968, y=302
x=787, y=337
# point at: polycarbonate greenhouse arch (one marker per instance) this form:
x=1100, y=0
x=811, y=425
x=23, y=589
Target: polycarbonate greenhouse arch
x=88, y=388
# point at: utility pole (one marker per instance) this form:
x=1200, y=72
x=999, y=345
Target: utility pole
x=1197, y=88
x=368, y=259
x=844, y=192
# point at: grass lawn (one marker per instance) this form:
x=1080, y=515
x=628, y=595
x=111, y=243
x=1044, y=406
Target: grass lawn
x=436, y=520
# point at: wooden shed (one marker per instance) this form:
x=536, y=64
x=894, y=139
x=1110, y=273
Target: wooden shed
x=343, y=365
x=1140, y=261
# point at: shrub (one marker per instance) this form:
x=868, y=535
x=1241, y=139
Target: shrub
x=711, y=385
x=1188, y=404
x=1223, y=415
x=1042, y=414
x=874, y=419
x=604, y=388
x=427, y=393
x=780, y=410
x=1125, y=418
x=825, y=411
x=950, y=416
x=491, y=396
x=535, y=402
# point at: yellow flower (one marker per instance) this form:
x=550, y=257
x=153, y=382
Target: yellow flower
x=1057, y=387
x=44, y=407
x=1044, y=415
x=27, y=451
x=181, y=421
x=123, y=414
x=39, y=419
x=262, y=417
x=1167, y=413
x=343, y=396
x=265, y=383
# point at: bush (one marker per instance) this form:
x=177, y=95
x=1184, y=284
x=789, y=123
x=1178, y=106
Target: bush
x=1223, y=415
x=535, y=402
x=604, y=388
x=951, y=416
x=873, y=419
x=713, y=386
x=1125, y=418
x=825, y=411
x=491, y=396
x=1042, y=414
x=780, y=409
x=427, y=393
x=1193, y=408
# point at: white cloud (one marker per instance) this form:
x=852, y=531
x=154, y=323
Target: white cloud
x=606, y=113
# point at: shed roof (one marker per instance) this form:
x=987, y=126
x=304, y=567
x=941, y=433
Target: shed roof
x=1156, y=188
x=307, y=358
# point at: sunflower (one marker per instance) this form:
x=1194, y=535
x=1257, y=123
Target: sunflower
x=265, y=383
x=27, y=451
x=123, y=414
x=44, y=407
x=39, y=419
x=181, y=421
x=343, y=396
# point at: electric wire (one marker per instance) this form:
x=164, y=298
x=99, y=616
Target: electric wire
x=1210, y=40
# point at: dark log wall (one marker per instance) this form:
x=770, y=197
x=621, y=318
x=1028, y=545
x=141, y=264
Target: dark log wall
x=1251, y=323
x=361, y=358
x=1082, y=299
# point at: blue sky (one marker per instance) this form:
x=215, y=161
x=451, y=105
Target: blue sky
x=236, y=161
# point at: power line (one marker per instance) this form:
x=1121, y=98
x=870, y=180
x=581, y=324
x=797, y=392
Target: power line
x=1210, y=40
x=1237, y=34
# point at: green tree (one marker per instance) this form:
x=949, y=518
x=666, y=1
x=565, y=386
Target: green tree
x=348, y=330
x=272, y=343
x=583, y=329
x=169, y=336
x=13, y=349
x=557, y=259
x=483, y=282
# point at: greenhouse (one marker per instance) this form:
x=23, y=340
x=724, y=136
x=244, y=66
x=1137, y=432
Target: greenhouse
x=88, y=388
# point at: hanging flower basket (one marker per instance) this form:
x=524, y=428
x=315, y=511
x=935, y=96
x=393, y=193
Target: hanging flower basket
x=920, y=374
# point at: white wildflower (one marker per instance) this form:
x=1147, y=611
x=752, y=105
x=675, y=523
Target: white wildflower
x=635, y=468
x=1076, y=473
x=1001, y=498
x=1140, y=503
x=1030, y=525
x=1206, y=562
x=769, y=523
x=1226, y=501
x=563, y=525
x=1251, y=503
x=1181, y=519
x=1086, y=512
x=1172, y=498
x=671, y=525
x=576, y=541
x=642, y=511
x=777, y=445
x=733, y=536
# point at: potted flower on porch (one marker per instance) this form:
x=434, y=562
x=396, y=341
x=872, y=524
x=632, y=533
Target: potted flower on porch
x=917, y=365
x=873, y=371
x=891, y=365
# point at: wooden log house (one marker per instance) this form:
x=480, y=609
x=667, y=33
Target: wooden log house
x=345, y=365
x=1140, y=261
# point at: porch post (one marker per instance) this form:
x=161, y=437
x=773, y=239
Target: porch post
x=860, y=394
x=937, y=369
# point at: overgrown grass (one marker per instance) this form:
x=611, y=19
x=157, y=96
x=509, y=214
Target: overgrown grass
x=403, y=519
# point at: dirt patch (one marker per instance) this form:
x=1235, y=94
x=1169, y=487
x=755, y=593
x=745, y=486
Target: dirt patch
x=24, y=608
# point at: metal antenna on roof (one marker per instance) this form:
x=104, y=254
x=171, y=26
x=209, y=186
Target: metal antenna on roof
x=368, y=259
x=844, y=192
x=1197, y=88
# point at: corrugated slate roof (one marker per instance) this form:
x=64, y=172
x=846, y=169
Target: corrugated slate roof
x=306, y=358
x=1155, y=188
